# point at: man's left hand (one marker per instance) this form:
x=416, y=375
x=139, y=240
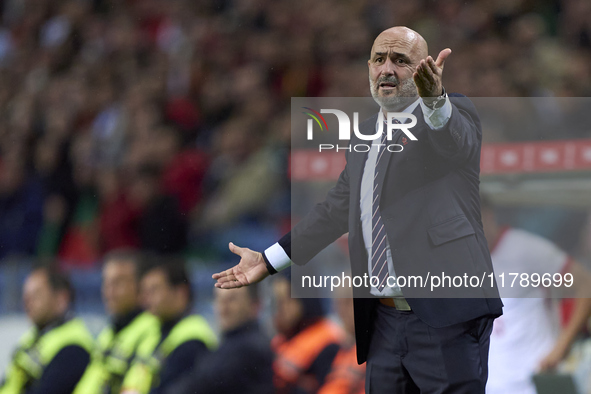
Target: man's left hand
x=429, y=73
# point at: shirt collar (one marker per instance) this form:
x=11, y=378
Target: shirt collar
x=42, y=330
x=410, y=109
x=412, y=106
x=120, y=322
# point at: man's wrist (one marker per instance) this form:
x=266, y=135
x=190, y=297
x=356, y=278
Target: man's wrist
x=277, y=258
x=270, y=268
x=437, y=118
x=436, y=102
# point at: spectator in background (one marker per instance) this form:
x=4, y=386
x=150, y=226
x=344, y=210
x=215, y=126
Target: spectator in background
x=52, y=356
x=182, y=339
x=118, y=214
x=527, y=339
x=306, y=342
x=243, y=362
x=80, y=244
x=54, y=171
x=184, y=168
x=21, y=208
x=242, y=178
x=346, y=376
x=117, y=344
x=161, y=227
x=115, y=72
x=139, y=214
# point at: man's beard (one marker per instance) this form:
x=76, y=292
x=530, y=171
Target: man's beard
x=406, y=94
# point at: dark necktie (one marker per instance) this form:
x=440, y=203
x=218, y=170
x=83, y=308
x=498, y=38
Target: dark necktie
x=379, y=261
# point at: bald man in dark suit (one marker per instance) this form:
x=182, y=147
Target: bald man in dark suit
x=411, y=213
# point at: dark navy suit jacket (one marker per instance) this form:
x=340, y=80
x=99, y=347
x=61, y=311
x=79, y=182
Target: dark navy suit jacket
x=430, y=206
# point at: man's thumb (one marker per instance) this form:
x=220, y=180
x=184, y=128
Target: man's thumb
x=442, y=56
x=235, y=249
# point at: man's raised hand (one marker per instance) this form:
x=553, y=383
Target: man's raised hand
x=429, y=73
x=251, y=269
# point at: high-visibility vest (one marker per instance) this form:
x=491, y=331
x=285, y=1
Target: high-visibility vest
x=113, y=355
x=152, y=353
x=36, y=352
x=296, y=355
x=345, y=376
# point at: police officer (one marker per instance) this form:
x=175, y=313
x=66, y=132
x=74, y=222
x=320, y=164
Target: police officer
x=53, y=354
x=182, y=340
x=117, y=344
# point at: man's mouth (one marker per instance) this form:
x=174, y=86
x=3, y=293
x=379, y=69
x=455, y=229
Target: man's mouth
x=387, y=85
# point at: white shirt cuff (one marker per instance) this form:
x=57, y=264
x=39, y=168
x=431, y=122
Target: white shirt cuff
x=437, y=118
x=277, y=257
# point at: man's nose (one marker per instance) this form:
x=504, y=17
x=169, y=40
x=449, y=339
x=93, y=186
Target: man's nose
x=388, y=68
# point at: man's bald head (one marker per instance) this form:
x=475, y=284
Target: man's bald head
x=401, y=35
x=395, y=55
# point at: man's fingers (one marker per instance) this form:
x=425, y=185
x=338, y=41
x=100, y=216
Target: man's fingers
x=426, y=72
x=442, y=56
x=421, y=79
x=433, y=66
x=228, y=282
x=236, y=249
x=224, y=275
x=228, y=279
x=229, y=285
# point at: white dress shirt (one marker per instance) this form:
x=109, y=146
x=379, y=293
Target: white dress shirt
x=435, y=119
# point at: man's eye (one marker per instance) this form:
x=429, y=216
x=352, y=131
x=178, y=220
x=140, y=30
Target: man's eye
x=400, y=61
x=379, y=60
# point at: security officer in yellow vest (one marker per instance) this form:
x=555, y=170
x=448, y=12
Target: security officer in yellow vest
x=117, y=344
x=53, y=354
x=183, y=339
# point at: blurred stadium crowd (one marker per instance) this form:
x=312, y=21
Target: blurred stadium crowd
x=163, y=125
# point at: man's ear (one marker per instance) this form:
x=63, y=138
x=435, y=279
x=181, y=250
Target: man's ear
x=184, y=291
x=62, y=302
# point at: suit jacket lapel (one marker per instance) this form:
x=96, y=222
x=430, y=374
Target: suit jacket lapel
x=384, y=164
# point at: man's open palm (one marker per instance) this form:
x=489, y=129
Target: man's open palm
x=251, y=269
x=429, y=73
